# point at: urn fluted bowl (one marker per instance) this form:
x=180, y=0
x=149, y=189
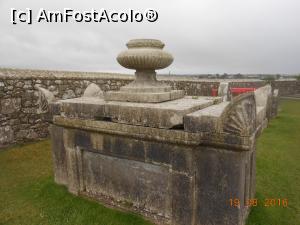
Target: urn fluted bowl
x=145, y=54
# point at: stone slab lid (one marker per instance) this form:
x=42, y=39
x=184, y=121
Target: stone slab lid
x=159, y=115
x=206, y=115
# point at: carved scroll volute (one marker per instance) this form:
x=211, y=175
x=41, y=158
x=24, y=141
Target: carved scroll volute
x=45, y=97
x=240, y=115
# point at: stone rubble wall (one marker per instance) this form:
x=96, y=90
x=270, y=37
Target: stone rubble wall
x=20, y=116
x=285, y=87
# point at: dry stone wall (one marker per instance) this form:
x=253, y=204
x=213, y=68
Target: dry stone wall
x=21, y=118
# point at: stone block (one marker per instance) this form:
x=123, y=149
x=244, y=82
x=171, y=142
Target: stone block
x=263, y=98
x=59, y=155
x=223, y=91
x=83, y=107
x=93, y=90
x=143, y=97
x=206, y=120
x=275, y=102
x=237, y=117
x=68, y=94
x=221, y=176
x=134, y=182
x=6, y=135
x=158, y=153
x=163, y=115
x=124, y=147
x=10, y=105
x=182, y=193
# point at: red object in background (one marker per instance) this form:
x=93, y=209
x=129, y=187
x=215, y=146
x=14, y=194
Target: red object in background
x=214, y=92
x=234, y=91
x=238, y=91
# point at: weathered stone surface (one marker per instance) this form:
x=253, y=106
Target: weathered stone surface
x=181, y=183
x=206, y=120
x=20, y=84
x=143, y=97
x=260, y=114
x=93, y=90
x=163, y=115
x=262, y=95
x=68, y=94
x=45, y=97
x=30, y=110
x=263, y=99
x=223, y=90
x=182, y=198
x=26, y=134
x=59, y=155
x=10, y=105
x=235, y=117
x=134, y=182
x=221, y=176
x=160, y=135
x=84, y=107
x=275, y=102
x=6, y=135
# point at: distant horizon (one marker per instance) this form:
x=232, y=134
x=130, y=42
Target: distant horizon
x=131, y=72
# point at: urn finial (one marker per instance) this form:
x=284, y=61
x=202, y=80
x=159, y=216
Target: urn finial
x=145, y=56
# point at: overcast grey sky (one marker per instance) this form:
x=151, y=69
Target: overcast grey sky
x=204, y=36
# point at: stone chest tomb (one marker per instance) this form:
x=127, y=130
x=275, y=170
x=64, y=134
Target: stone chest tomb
x=175, y=159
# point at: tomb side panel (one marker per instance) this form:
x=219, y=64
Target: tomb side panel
x=221, y=175
x=59, y=155
x=142, y=185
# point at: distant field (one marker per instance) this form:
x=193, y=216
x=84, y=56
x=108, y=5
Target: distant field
x=28, y=195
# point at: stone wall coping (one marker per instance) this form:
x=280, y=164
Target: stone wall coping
x=8, y=73
x=53, y=75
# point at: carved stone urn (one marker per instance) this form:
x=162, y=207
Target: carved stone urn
x=145, y=56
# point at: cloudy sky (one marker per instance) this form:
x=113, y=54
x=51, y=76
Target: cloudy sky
x=204, y=36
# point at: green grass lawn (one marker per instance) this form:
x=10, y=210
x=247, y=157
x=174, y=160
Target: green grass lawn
x=29, y=196
x=278, y=168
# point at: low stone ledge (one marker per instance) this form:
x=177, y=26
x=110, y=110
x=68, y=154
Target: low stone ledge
x=232, y=142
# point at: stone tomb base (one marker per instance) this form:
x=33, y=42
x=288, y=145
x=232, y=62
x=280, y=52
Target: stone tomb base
x=185, y=172
x=168, y=183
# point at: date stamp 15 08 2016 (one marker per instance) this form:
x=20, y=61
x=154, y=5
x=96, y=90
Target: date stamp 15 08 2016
x=267, y=202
